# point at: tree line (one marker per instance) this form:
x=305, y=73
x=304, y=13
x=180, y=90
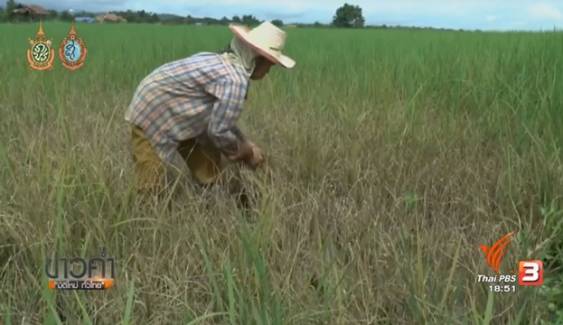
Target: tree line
x=139, y=16
x=345, y=16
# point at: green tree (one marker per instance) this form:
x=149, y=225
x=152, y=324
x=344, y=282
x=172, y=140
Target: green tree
x=53, y=14
x=348, y=16
x=277, y=22
x=9, y=12
x=250, y=20
x=236, y=19
x=66, y=16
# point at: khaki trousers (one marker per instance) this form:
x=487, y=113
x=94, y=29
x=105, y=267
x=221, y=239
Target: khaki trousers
x=202, y=159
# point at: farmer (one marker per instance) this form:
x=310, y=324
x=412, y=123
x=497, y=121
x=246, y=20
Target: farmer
x=183, y=115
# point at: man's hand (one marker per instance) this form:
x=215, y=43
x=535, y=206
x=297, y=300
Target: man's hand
x=257, y=158
x=244, y=152
x=249, y=153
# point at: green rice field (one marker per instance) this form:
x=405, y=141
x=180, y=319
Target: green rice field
x=392, y=155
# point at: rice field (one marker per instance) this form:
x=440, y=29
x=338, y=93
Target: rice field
x=393, y=154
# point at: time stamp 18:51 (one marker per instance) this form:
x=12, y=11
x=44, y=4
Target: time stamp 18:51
x=502, y=288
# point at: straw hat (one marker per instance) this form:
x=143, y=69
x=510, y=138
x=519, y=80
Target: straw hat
x=266, y=39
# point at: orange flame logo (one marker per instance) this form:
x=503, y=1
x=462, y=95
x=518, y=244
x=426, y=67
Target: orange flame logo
x=495, y=253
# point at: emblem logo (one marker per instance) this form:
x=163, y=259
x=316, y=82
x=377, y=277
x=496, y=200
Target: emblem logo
x=40, y=54
x=495, y=253
x=72, y=50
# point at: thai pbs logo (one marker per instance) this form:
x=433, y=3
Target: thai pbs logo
x=530, y=272
x=76, y=273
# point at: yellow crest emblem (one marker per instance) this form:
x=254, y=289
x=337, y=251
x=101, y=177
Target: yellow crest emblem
x=40, y=54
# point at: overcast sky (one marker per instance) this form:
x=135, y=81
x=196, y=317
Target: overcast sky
x=467, y=14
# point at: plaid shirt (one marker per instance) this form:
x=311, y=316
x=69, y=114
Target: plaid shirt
x=199, y=95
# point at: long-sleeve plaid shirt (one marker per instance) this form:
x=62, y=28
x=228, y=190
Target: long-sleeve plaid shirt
x=186, y=98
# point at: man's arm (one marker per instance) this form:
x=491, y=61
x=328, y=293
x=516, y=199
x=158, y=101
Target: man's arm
x=238, y=133
x=222, y=129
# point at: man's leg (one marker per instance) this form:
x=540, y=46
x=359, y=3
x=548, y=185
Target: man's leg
x=203, y=160
x=205, y=163
x=149, y=169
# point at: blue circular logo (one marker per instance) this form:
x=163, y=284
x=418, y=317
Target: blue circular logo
x=73, y=50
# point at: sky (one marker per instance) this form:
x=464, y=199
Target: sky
x=465, y=14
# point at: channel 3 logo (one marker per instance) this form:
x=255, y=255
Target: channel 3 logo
x=530, y=273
